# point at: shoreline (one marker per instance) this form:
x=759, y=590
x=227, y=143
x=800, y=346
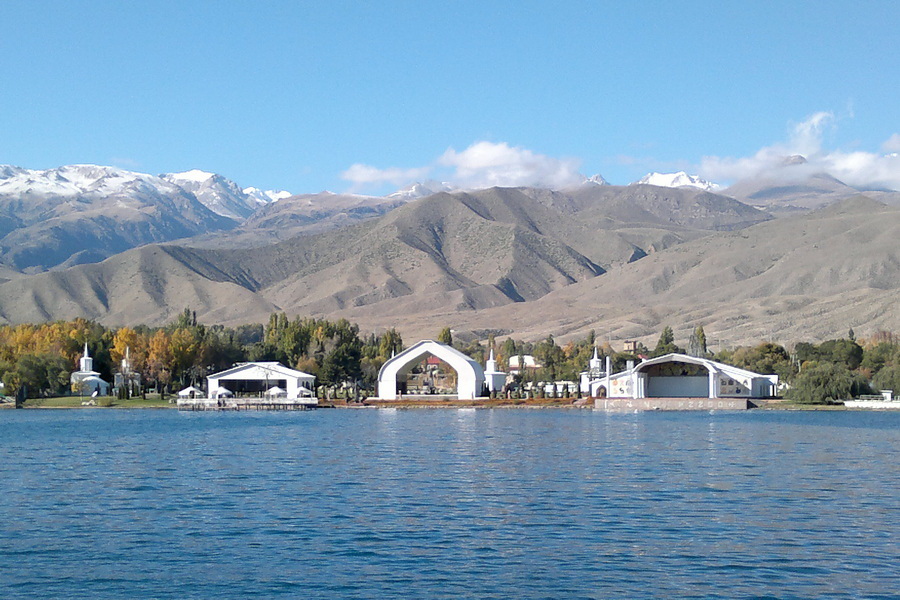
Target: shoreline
x=532, y=404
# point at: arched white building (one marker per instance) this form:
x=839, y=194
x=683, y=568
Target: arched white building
x=683, y=376
x=470, y=375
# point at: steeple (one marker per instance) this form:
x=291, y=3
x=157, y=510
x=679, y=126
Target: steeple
x=126, y=361
x=87, y=363
x=595, y=362
x=491, y=365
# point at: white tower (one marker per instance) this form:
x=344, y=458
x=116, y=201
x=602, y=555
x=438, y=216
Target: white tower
x=495, y=379
x=595, y=362
x=87, y=363
x=491, y=364
x=126, y=361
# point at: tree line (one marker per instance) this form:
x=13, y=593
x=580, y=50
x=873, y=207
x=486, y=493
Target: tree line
x=41, y=357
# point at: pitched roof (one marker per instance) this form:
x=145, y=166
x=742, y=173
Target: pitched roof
x=270, y=368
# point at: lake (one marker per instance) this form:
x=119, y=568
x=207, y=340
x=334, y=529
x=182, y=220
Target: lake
x=449, y=504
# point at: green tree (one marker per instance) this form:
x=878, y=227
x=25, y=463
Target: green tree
x=446, y=336
x=766, y=358
x=390, y=343
x=666, y=343
x=697, y=343
x=826, y=383
x=551, y=357
x=846, y=352
x=888, y=378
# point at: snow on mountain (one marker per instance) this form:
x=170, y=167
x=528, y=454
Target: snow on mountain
x=266, y=196
x=420, y=190
x=78, y=214
x=675, y=180
x=595, y=180
x=193, y=176
x=79, y=180
x=222, y=196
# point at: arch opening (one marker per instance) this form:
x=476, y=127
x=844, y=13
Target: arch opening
x=415, y=369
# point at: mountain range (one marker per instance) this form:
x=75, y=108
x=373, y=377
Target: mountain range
x=127, y=248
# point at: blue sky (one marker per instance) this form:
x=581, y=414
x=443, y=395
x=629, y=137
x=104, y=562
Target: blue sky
x=292, y=95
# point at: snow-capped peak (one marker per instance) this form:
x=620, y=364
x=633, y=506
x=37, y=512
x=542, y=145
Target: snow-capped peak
x=676, y=180
x=266, y=196
x=420, y=190
x=222, y=196
x=194, y=175
x=72, y=180
x=595, y=180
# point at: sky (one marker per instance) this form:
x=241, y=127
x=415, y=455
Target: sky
x=370, y=96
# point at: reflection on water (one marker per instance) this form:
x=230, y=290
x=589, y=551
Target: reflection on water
x=447, y=504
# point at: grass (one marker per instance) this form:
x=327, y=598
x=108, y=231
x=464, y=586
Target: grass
x=152, y=401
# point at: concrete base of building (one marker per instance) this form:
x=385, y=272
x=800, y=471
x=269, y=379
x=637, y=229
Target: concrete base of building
x=642, y=404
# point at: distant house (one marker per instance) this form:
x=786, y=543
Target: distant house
x=528, y=362
x=258, y=378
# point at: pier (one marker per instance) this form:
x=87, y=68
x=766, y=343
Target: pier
x=223, y=404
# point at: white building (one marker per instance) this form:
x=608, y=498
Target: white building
x=86, y=380
x=470, y=375
x=127, y=376
x=683, y=376
x=494, y=379
x=596, y=372
x=257, y=378
x=527, y=360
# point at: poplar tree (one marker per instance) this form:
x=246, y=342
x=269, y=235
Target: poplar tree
x=697, y=343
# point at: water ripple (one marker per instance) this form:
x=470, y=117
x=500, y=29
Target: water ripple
x=448, y=504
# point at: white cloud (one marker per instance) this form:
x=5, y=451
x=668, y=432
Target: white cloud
x=892, y=144
x=486, y=164
x=858, y=169
x=481, y=165
x=362, y=176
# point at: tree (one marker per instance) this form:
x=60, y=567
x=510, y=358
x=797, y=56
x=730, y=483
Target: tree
x=187, y=318
x=134, y=342
x=159, y=358
x=766, y=358
x=888, y=378
x=826, y=383
x=43, y=373
x=697, y=343
x=666, y=343
x=390, y=343
x=846, y=352
x=550, y=356
x=341, y=364
x=446, y=336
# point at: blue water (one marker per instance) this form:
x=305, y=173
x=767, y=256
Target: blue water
x=449, y=504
